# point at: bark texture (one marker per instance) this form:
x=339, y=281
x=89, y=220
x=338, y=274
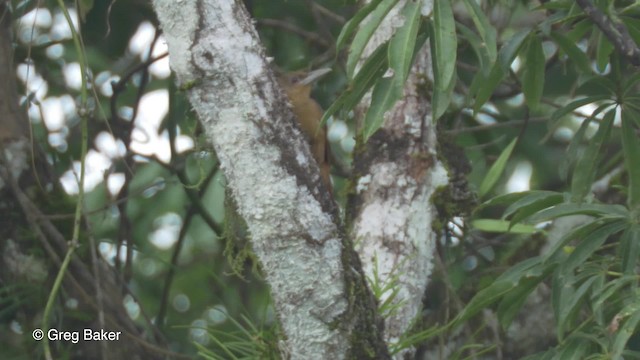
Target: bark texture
x=316, y=280
x=398, y=173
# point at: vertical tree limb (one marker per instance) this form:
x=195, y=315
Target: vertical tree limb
x=398, y=173
x=319, y=292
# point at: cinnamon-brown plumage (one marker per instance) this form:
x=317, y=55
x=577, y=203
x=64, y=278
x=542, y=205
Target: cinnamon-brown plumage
x=308, y=112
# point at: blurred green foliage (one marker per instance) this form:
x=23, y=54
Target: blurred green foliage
x=510, y=84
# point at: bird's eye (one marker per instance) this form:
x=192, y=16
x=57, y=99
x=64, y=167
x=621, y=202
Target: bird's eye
x=295, y=79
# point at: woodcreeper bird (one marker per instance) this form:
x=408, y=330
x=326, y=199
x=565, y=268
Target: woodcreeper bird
x=297, y=86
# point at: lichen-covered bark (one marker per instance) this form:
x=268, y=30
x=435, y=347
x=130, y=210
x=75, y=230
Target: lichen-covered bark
x=313, y=272
x=398, y=172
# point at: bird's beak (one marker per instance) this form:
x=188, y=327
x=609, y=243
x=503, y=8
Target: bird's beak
x=314, y=75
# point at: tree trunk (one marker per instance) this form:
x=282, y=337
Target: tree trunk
x=318, y=287
x=398, y=172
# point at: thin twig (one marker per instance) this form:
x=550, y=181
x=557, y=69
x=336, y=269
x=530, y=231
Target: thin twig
x=504, y=124
x=312, y=37
x=614, y=30
x=195, y=209
x=97, y=275
x=328, y=13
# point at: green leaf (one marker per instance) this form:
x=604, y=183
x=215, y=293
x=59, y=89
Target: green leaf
x=533, y=74
x=603, y=52
x=610, y=225
x=547, y=355
x=441, y=100
x=623, y=335
x=531, y=204
x=579, y=29
x=530, y=268
x=605, y=83
x=629, y=85
x=445, y=44
x=567, y=209
x=511, y=48
x=486, y=31
x=387, y=90
x=365, y=32
x=630, y=249
x=496, y=170
x=571, y=154
x=502, y=226
x=574, y=349
x=633, y=25
x=382, y=98
x=352, y=24
x=572, y=106
x=569, y=303
x=510, y=198
x=403, y=44
x=512, y=302
x=577, y=56
x=372, y=69
x=631, y=148
x=588, y=245
x=482, y=87
x=586, y=167
x=612, y=288
x=484, y=58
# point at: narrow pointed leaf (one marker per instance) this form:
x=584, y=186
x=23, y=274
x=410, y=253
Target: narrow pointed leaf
x=603, y=52
x=531, y=204
x=403, y=43
x=533, y=74
x=590, y=244
x=373, y=68
x=502, y=226
x=570, y=107
x=568, y=209
x=512, y=302
x=575, y=349
x=352, y=24
x=585, y=171
x=483, y=87
x=510, y=49
x=382, y=99
x=569, y=47
x=631, y=147
x=365, y=32
x=484, y=58
x=611, y=289
x=507, y=282
x=486, y=31
x=571, y=155
x=507, y=199
x=570, y=303
x=630, y=249
x=623, y=335
x=446, y=43
x=496, y=170
x=556, y=252
x=441, y=100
